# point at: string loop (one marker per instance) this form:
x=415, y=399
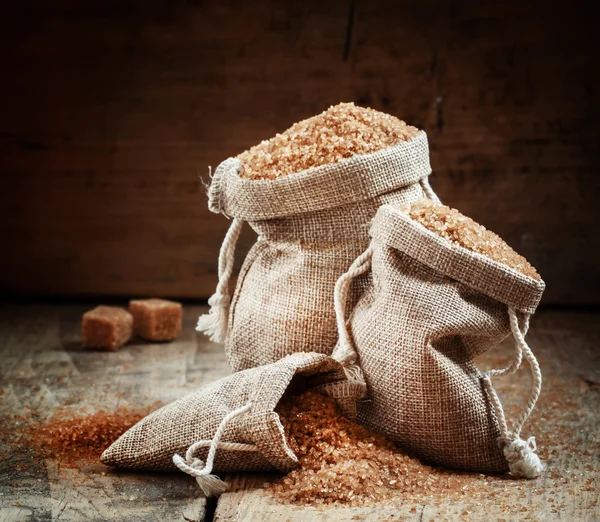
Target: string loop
x=521, y=455
x=215, y=323
x=210, y=484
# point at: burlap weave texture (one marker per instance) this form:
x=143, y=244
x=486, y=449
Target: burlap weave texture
x=151, y=444
x=429, y=309
x=311, y=225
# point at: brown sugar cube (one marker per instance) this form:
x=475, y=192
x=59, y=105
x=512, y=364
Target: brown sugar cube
x=156, y=319
x=107, y=327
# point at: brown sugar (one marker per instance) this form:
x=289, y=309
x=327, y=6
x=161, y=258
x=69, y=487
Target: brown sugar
x=342, y=131
x=107, y=327
x=156, y=319
x=450, y=224
x=71, y=440
x=85, y=437
x=341, y=461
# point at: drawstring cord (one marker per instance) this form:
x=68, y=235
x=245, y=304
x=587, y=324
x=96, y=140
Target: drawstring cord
x=211, y=485
x=521, y=455
x=215, y=323
x=344, y=351
x=429, y=192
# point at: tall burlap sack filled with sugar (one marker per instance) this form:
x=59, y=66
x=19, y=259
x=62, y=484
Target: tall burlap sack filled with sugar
x=431, y=307
x=228, y=425
x=311, y=226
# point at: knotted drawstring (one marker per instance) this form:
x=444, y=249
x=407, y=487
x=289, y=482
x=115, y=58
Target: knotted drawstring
x=429, y=192
x=211, y=485
x=344, y=351
x=215, y=323
x=522, y=460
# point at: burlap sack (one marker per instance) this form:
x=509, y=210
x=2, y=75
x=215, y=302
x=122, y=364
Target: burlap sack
x=311, y=226
x=228, y=425
x=430, y=308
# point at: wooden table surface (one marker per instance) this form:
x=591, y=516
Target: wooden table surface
x=44, y=367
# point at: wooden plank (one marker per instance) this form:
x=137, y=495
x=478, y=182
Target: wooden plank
x=44, y=368
x=566, y=426
x=111, y=113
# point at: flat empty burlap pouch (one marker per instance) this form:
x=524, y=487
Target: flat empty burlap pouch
x=430, y=308
x=228, y=425
x=311, y=226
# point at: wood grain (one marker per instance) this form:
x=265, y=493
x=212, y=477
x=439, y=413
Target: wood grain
x=111, y=111
x=44, y=368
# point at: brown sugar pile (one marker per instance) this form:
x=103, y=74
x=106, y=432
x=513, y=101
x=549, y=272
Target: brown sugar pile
x=450, y=224
x=70, y=440
x=342, y=131
x=341, y=461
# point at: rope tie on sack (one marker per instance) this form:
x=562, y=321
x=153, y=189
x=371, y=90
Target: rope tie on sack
x=344, y=352
x=211, y=485
x=215, y=323
x=521, y=455
x=429, y=192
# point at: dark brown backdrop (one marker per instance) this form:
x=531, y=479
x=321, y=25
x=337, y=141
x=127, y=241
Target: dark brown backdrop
x=110, y=112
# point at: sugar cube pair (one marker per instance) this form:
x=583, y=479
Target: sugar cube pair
x=110, y=327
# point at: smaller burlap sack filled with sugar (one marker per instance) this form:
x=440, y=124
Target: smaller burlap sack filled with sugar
x=311, y=225
x=432, y=306
x=228, y=425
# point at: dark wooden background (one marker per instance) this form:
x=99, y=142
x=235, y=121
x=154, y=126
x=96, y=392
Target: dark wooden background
x=112, y=110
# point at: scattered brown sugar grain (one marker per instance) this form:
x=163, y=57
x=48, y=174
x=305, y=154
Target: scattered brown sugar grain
x=450, y=224
x=70, y=440
x=342, y=131
x=341, y=461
